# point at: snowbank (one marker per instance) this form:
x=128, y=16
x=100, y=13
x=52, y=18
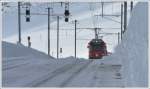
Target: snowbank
x=19, y=50
x=132, y=53
x=22, y=65
x=134, y=49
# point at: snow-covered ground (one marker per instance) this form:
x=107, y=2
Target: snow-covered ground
x=29, y=68
x=26, y=65
x=126, y=67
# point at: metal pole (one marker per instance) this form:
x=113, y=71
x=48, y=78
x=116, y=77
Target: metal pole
x=121, y=20
x=96, y=33
x=131, y=5
x=102, y=8
x=75, y=36
x=29, y=42
x=125, y=16
x=57, y=37
x=19, y=22
x=48, y=31
x=118, y=37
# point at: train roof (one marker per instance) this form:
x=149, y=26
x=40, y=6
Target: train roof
x=96, y=41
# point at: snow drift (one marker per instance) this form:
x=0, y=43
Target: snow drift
x=134, y=48
x=132, y=53
x=19, y=50
x=20, y=63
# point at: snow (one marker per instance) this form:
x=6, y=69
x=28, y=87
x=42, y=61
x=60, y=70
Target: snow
x=126, y=67
x=132, y=52
x=135, y=55
x=20, y=66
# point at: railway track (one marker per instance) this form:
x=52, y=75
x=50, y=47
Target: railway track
x=70, y=78
x=14, y=66
x=58, y=72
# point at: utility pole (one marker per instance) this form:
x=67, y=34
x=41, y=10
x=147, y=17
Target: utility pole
x=121, y=20
x=131, y=6
x=57, y=37
x=118, y=37
x=96, y=33
x=75, y=35
x=125, y=16
x=102, y=8
x=29, y=42
x=48, y=31
x=57, y=16
x=19, y=22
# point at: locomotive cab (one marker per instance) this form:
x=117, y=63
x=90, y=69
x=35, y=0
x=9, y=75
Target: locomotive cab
x=97, y=49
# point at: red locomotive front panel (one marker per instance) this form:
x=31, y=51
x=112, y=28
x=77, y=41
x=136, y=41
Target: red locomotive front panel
x=97, y=49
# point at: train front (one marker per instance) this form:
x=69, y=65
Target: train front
x=97, y=49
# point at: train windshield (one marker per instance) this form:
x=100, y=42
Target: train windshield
x=97, y=47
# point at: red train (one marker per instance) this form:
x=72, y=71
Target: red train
x=97, y=49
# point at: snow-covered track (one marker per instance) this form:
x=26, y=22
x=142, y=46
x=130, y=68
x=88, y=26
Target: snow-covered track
x=14, y=66
x=10, y=59
x=50, y=75
x=70, y=78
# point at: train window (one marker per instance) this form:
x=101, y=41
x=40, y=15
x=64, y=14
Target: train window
x=97, y=47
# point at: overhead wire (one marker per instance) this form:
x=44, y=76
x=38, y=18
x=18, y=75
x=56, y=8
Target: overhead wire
x=92, y=13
